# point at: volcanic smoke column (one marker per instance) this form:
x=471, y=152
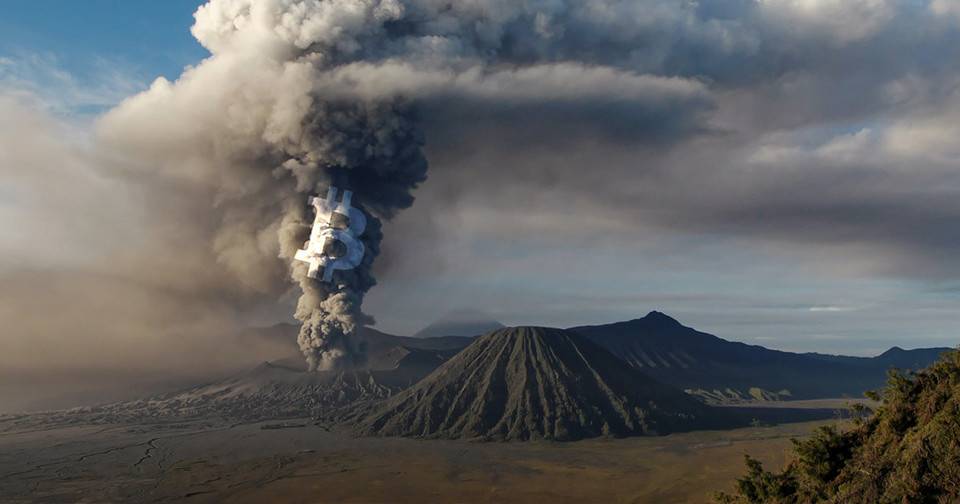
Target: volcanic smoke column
x=270, y=57
x=300, y=95
x=377, y=155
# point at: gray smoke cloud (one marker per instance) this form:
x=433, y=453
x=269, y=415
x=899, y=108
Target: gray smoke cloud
x=300, y=95
x=374, y=150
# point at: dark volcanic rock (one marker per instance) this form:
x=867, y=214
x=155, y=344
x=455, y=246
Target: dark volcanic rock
x=536, y=383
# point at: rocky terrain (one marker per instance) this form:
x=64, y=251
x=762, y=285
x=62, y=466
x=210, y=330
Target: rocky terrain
x=536, y=383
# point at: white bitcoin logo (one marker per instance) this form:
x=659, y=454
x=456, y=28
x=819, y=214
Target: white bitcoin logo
x=334, y=242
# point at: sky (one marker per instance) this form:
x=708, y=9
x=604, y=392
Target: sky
x=146, y=39
x=777, y=172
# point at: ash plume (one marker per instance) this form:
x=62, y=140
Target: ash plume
x=277, y=140
x=301, y=95
x=377, y=152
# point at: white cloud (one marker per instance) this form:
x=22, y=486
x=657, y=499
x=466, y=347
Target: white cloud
x=831, y=309
x=843, y=21
x=928, y=133
x=946, y=8
x=42, y=79
x=848, y=147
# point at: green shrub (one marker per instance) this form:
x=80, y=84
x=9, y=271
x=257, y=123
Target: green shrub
x=908, y=451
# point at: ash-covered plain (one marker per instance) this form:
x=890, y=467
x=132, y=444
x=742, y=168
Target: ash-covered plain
x=281, y=433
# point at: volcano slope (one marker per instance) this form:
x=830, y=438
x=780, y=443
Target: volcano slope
x=529, y=383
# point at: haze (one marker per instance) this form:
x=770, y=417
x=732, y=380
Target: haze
x=778, y=172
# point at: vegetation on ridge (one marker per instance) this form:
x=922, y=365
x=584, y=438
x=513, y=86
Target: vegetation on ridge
x=908, y=451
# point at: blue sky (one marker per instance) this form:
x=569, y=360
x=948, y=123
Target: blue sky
x=148, y=38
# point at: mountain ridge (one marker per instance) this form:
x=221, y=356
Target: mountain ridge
x=498, y=388
x=721, y=370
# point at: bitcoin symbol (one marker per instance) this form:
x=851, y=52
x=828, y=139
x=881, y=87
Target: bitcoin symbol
x=334, y=242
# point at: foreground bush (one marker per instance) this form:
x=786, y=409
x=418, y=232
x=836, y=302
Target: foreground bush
x=908, y=451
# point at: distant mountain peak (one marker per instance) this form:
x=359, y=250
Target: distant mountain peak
x=660, y=318
x=460, y=323
x=893, y=350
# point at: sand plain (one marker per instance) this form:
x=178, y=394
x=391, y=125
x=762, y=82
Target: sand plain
x=296, y=461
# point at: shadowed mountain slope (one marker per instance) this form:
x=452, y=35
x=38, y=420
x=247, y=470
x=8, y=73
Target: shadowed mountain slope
x=721, y=370
x=533, y=382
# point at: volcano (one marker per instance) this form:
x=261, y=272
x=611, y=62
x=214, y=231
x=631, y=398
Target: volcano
x=529, y=383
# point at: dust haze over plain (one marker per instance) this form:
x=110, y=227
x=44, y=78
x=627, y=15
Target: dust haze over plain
x=808, y=128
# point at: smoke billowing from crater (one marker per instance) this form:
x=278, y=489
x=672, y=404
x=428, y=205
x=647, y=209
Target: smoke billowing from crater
x=300, y=95
x=271, y=140
x=373, y=149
